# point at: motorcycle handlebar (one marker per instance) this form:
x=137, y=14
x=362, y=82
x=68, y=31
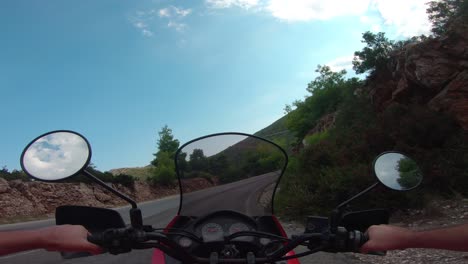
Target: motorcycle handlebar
x=123, y=240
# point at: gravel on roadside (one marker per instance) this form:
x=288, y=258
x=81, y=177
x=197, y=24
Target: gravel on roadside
x=439, y=213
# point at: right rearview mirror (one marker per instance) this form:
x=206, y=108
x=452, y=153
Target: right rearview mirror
x=397, y=171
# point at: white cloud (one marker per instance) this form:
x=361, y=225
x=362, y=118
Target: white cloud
x=173, y=11
x=341, y=63
x=140, y=21
x=147, y=33
x=374, y=22
x=165, y=12
x=307, y=10
x=376, y=28
x=142, y=26
x=404, y=17
x=407, y=16
x=177, y=26
x=143, y=19
x=182, y=12
x=246, y=4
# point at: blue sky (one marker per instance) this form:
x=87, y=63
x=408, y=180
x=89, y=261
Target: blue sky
x=118, y=71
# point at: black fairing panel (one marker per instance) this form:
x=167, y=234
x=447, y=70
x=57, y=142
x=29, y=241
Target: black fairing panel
x=92, y=218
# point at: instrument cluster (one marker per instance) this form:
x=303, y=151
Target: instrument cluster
x=217, y=230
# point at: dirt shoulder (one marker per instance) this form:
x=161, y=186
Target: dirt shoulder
x=439, y=213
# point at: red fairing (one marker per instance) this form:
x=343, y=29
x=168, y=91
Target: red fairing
x=158, y=255
x=283, y=233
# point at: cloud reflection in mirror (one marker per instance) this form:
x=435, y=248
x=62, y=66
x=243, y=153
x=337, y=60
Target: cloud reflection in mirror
x=56, y=156
x=397, y=171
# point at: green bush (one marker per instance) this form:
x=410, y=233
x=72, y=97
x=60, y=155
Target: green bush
x=125, y=180
x=13, y=175
x=315, y=138
x=163, y=176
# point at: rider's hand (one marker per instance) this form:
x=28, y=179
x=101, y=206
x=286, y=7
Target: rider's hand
x=70, y=238
x=386, y=237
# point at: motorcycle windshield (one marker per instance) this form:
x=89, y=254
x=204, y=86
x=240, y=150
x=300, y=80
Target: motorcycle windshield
x=229, y=171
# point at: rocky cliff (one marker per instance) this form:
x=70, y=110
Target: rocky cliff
x=433, y=72
x=22, y=200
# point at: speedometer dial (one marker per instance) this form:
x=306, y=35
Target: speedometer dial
x=212, y=232
x=238, y=227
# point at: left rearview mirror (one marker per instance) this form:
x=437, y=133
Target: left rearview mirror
x=56, y=155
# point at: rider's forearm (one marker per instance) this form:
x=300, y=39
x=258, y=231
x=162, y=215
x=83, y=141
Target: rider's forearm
x=15, y=241
x=451, y=238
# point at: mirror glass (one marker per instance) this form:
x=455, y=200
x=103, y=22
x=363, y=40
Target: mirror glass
x=56, y=156
x=397, y=171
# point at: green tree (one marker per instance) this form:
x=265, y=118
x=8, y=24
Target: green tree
x=182, y=163
x=374, y=55
x=198, y=160
x=218, y=164
x=327, y=92
x=166, y=143
x=326, y=79
x=442, y=13
x=409, y=172
x=164, y=173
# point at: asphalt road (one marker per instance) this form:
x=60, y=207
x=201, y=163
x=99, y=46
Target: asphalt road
x=158, y=213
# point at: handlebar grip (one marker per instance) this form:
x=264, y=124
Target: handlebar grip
x=95, y=238
x=364, y=239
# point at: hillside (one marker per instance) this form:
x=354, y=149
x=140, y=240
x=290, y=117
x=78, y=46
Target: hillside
x=277, y=132
x=414, y=100
x=141, y=173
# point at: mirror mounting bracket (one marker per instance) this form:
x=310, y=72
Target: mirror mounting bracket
x=136, y=218
x=337, y=213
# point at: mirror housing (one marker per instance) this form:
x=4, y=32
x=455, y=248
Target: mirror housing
x=397, y=171
x=62, y=154
x=56, y=155
x=392, y=169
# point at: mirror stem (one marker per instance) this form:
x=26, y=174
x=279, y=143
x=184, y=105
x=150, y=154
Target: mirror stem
x=357, y=195
x=107, y=187
x=337, y=213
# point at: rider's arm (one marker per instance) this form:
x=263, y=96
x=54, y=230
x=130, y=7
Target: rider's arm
x=386, y=237
x=72, y=238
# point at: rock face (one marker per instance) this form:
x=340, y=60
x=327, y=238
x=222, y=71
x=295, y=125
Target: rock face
x=433, y=72
x=30, y=199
